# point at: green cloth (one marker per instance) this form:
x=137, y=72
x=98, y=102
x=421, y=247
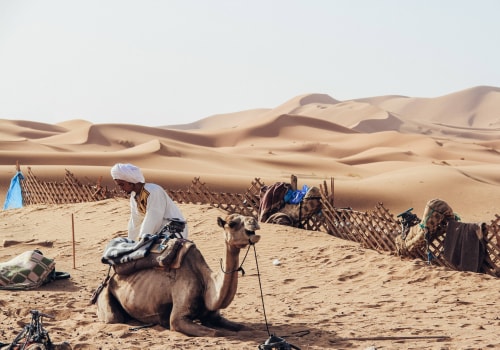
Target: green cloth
x=26, y=271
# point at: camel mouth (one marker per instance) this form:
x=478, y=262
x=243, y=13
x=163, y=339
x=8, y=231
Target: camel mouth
x=253, y=238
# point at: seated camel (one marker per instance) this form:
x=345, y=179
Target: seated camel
x=434, y=221
x=177, y=298
x=463, y=243
x=295, y=214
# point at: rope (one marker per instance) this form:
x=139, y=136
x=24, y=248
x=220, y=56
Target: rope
x=241, y=265
x=261, y=293
x=300, y=214
x=273, y=342
x=101, y=286
x=422, y=337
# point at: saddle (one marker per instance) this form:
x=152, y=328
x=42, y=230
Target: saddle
x=163, y=254
x=165, y=249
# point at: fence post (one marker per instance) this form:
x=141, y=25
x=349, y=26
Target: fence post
x=293, y=182
x=332, y=187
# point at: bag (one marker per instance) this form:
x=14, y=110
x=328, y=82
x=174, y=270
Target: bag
x=28, y=270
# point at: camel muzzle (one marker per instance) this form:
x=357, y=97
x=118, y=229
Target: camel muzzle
x=252, y=237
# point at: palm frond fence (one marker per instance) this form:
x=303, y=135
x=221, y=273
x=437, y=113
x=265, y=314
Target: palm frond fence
x=376, y=229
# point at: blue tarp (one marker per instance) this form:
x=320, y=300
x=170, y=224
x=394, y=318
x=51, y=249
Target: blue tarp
x=295, y=197
x=14, y=198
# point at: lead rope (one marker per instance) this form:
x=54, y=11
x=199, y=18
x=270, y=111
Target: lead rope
x=240, y=268
x=423, y=226
x=241, y=265
x=273, y=342
x=260, y=287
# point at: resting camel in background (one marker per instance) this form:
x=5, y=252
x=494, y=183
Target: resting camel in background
x=179, y=298
x=463, y=244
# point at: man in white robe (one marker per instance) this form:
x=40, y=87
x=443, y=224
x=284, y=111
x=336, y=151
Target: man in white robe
x=151, y=208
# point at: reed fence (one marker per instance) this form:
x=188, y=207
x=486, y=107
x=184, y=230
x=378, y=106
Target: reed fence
x=376, y=229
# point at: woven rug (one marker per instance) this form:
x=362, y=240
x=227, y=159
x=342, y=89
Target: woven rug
x=26, y=271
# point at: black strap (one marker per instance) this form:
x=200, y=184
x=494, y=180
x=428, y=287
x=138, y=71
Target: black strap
x=101, y=286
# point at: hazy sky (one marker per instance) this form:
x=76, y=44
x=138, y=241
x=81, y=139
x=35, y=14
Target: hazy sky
x=161, y=62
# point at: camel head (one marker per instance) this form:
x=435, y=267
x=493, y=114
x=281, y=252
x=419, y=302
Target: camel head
x=436, y=214
x=239, y=230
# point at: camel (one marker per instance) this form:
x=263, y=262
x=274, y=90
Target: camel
x=433, y=224
x=463, y=244
x=187, y=299
x=295, y=214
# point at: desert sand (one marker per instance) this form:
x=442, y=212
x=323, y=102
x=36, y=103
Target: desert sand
x=326, y=293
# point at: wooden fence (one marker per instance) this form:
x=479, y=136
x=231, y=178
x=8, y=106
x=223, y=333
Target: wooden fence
x=71, y=190
x=198, y=193
x=376, y=229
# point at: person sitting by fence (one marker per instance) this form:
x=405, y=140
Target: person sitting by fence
x=151, y=208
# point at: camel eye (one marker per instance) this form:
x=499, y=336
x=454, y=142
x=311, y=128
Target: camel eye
x=232, y=224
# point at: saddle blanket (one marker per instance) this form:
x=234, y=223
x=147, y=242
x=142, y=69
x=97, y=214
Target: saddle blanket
x=26, y=271
x=121, y=249
x=163, y=254
x=464, y=247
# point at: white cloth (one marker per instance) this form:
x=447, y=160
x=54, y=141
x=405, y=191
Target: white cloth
x=159, y=208
x=127, y=172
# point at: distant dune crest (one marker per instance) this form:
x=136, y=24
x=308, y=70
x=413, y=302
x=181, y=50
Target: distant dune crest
x=471, y=108
x=471, y=113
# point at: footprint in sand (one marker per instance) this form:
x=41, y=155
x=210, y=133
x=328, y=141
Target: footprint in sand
x=308, y=287
x=349, y=276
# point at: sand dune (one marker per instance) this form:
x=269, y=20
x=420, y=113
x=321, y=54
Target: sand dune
x=402, y=151
x=470, y=108
x=313, y=136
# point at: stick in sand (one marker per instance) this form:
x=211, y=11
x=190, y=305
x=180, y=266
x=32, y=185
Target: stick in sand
x=73, y=233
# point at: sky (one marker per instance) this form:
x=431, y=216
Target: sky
x=166, y=62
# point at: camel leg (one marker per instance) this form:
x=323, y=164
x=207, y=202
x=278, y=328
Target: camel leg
x=109, y=309
x=180, y=322
x=216, y=320
x=184, y=324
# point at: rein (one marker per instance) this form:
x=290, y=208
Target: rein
x=273, y=342
x=240, y=268
x=101, y=286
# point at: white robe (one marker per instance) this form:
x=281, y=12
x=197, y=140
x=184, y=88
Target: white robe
x=159, y=208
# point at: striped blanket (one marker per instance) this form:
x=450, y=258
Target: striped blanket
x=26, y=271
x=121, y=250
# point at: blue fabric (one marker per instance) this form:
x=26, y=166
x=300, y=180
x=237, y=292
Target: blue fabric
x=14, y=198
x=295, y=197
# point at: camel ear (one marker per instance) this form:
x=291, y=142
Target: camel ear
x=221, y=222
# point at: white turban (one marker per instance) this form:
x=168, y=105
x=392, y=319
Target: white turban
x=127, y=172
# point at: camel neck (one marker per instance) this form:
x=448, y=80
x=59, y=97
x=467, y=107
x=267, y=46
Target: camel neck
x=225, y=283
